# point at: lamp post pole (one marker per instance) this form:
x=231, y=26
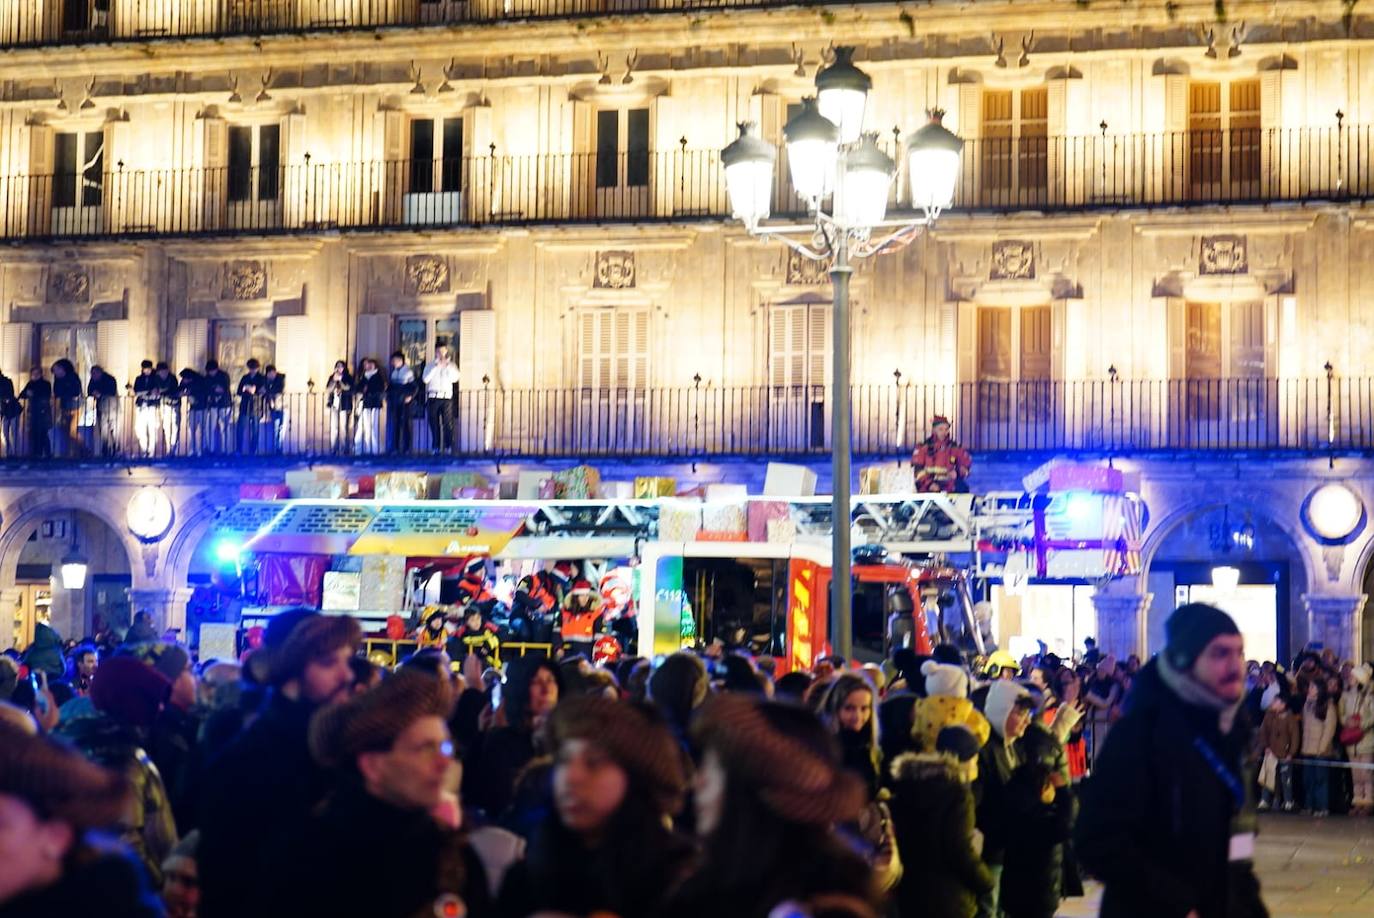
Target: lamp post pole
x=842, y=583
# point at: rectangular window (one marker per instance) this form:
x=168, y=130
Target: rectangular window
x=607, y=149
x=76, y=343
x=421, y=156
x=64, y=170
x=637, y=149
x=254, y=162
x=233, y=342
x=1015, y=363
x=1203, y=360
x=417, y=336
x=622, y=148
x=436, y=155
x=1015, y=141
x=79, y=169
x=1224, y=138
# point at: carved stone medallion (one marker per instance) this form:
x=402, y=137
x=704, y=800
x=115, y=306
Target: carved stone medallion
x=69, y=285
x=805, y=271
x=1223, y=255
x=615, y=270
x=427, y=274
x=245, y=280
x=1012, y=259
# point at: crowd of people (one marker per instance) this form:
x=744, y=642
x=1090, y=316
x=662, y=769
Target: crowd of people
x=203, y=412
x=304, y=779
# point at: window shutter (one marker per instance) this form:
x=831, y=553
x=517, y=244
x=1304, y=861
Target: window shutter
x=1247, y=344
x=1037, y=346
x=1271, y=336
x=1172, y=309
x=391, y=136
x=112, y=349
x=994, y=344
x=216, y=166
x=295, y=337
x=40, y=179
x=299, y=199
x=818, y=345
x=779, y=345
x=639, y=350
x=966, y=341
x=970, y=108
x=374, y=339
x=476, y=348
x=1175, y=102
x=191, y=347
x=16, y=351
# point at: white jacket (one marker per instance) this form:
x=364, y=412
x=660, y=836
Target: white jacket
x=1361, y=703
x=440, y=378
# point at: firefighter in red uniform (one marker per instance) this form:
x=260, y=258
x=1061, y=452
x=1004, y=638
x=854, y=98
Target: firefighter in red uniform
x=581, y=620
x=473, y=588
x=941, y=464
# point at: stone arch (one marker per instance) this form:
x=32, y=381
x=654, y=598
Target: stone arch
x=195, y=517
x=21, y=516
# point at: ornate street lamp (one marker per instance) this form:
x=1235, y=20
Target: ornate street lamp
x=829, y=156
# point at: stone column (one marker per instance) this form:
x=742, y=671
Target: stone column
x=9, y=607
x=1334, y=621
x=1121, y=620
x=168, y=608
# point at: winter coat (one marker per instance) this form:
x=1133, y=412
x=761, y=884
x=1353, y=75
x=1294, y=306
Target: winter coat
x=1318, y=734
x=1157, y=818
x=934, y=713
x=375, y=859
x=38, y=393
x=372, y=389
x=932, y=812
x=996, y=764
x=1280, y=734
x=340, y=389
x=104, y=387
x=45, y=652
x=257, y=795
x=493, y=764
x=150, y=829
x=1359, y=703
x=101, y=878
x=217, y=384
x=1033, y=869
x=67, y=390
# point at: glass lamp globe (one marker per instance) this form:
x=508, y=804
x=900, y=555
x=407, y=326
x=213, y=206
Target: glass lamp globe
x=811, y=150
x=933, y=154
x=842, y=91
x=867, y=179
x=748, y=162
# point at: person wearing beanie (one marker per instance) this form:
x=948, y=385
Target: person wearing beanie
x=678, y=688
x=1168, y=819
x=266, y=775
x=176, y=726
x=769, y=789
x=128, y=695
x=943, y=874
x=51, y=802
x=945, y=704
x=390, y=751
x=605, y=847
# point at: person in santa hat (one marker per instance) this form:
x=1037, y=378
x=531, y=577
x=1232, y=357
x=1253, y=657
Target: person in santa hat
x=581, y=619
x=941, y=464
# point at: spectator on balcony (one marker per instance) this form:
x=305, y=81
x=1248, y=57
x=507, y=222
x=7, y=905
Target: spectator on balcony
x=38, y=394
x=10, y=411
x=339, y=404
x=274, y=406
x=168, y=408
x=67, y=390
x=147, y=409
x=221, y=404
x=367, y=440
x=105, y=391
x=400, y=396
x=252, y=387
x=194, y=392
x=441, y=379
x=941, y=464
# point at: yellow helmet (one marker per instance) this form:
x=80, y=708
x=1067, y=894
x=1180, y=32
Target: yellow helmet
x=999, y=661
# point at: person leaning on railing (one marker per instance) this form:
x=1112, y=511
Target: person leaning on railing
x=38, y=395
x=195, y=393
x=67, y=390
x=147, y=399
x=250, y=391
x=10, y=412
x=339, y=403
x=221, y=406
x=274, y=406
x=169, y=407
x=105, y=391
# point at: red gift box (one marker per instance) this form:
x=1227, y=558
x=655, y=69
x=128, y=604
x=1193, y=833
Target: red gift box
x=760, y=512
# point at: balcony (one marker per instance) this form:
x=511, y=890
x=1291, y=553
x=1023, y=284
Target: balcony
x=1112, y=417
x=998, y=176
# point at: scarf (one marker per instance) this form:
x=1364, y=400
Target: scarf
x=1194, y=693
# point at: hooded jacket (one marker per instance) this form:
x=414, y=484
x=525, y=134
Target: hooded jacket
x=45, y=652
x=1157, y=818
x=932, y=814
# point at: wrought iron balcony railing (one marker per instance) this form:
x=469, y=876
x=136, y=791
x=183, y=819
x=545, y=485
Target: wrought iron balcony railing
x=1099, y=416
x=1048, y=174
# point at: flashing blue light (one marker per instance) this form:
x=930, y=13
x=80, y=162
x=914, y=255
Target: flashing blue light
x=1079, y=507
x=227, y=551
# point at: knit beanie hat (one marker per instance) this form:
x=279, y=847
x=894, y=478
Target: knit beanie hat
x=304, y=635
x=1003, y=695
x=1190, y=629
x=167, y=658
x=58, y=783
x=630, y=734
x=370, y=722
x=943, y=679
x=129, y=690
x=795, y=780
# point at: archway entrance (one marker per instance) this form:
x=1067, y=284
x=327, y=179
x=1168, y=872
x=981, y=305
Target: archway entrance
x=1367, y=627
x=102, y=603
x=1240, y=560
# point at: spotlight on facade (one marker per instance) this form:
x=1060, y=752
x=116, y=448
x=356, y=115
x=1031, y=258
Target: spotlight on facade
x=1226, y=578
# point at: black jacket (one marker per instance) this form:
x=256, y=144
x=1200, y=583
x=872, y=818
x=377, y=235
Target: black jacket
x=273, y=390
x=374, y=859
x=38, y=392
x=1157, y=819
x=146, y=389
x=373, y=389
x=104, y=387
x=1033, y=866
x=9, y=405
x=101, y=877
x=217, y=384
x=194, y=389
x=168, y=387
x=256, y=798
x=932, y=815
x=68, y=391
x=250, y=403
x=340, y=390
x=995, y=768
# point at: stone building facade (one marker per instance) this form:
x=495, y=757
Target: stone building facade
x=1160, y=248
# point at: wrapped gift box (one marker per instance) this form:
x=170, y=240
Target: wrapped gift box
x=1067, y=475
x=782, y=480
x=618, y=490
x=364, y=488
x=581, y=482
x=382, y=583
x=888, y=478
x=679, y=522
x=733, y=492
x=264, y=492
x=297, y=480
x=475, y=494
x=871, y=479
x=402, y=485
x=760, y=512
x=531, y=482
x=648, y=488
x=724, y=520
x=341, y=591
x=453, y=482
x=782, y=530
x=320, y=489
